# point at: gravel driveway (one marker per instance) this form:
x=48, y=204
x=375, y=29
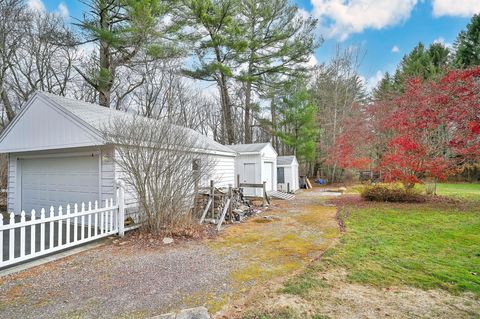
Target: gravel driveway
x=128, y=279
x=116, y=281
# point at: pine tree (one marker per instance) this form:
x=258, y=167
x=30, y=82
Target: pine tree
x=467, y=45
x=299, y=130
x=122, y=29
x=279, y=42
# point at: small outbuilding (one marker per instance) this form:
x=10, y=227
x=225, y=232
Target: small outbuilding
x=287, y=174
x=57, y=154
x=255, y=164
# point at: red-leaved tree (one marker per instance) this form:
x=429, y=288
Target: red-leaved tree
x=428, y=132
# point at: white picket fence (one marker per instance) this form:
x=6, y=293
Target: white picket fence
x=34, y=236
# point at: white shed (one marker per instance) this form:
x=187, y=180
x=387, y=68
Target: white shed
x=57, y=154
x=287, y=173
x=256, y=163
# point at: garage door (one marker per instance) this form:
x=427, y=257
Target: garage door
x=58, y=181
x=268, y=171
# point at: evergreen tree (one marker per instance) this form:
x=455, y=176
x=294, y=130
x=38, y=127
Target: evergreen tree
x=299, y=130
x=217, y=40
x=467, y=45
x=122, y=29
x=279, y=41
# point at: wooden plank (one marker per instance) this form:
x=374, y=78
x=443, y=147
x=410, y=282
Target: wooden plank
x=251, y=185
x=205, y=211
x=224, y=212
x=308, y=183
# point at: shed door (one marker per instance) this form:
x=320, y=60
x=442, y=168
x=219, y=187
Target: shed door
x=249, y=173
x=268, y=175
x=58, y=181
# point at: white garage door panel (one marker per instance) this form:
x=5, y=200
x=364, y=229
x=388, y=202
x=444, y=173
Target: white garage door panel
x=58, y=181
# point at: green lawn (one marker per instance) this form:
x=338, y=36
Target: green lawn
x=467, y=191
x=424, y=246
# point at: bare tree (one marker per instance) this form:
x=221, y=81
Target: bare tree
x=12, y=17
x=161, y=164
x=336, y=88
x=36, y=53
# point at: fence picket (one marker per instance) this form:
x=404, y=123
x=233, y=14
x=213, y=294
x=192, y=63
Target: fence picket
x=75, y=223
x=67, y=225
x=82, y=237
x=32, y=233
x=111, y=215
x=11, y=249
x=52, y=228
x=60, y=234
x=89, y=220
x=42, y=230
x=22, y=234
x=96, y=219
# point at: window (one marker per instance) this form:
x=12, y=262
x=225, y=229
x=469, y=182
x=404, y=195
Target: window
x=281, y=175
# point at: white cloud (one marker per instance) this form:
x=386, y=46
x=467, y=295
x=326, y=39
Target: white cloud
x=441, y=40
x=36, y=5
x=340, y=18
x=463, y=8
x=395, y=49
x=372, y=81
x=62, y=10
x=312, y=61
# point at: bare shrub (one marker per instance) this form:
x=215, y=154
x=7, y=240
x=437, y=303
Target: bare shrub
x=393, y=192
x=161, y=164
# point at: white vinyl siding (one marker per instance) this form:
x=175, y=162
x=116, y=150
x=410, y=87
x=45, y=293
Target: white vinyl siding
x=223, y=173
x=42, y=127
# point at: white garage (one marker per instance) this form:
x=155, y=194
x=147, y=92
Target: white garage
x=255, y=164
x=287, y=174
x=57, y=155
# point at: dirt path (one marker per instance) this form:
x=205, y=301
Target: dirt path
x=133, y=282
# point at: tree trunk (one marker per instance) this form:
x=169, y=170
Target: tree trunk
x=273, y=110
x=226, y=109
x=7, y=105
x=247, y=120
x=105, y=82
x=225, y=101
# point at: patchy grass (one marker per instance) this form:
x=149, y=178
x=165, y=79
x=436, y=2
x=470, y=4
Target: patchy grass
x=269, y=251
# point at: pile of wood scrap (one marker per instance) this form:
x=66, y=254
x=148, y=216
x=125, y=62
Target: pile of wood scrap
x=219, y=205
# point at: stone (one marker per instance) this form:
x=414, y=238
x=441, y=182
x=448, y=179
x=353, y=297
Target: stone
x=170, y=315
x=194, y=313
x=167, y=240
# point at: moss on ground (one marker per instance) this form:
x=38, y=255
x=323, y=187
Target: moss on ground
x=273, y=248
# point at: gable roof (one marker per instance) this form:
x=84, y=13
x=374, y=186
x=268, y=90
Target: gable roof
x=285, y=160
x=248, y=148
x=96, y=118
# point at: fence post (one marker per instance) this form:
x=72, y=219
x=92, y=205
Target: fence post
x=264, y=194
x=288, y=187
x=121, y=208
x=238, y=180
x=212, y=193
x=230, y=195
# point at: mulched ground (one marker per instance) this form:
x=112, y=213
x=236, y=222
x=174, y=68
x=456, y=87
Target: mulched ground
x=119, y=280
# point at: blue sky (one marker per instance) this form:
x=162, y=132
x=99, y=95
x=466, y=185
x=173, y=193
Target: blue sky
x=384, y=29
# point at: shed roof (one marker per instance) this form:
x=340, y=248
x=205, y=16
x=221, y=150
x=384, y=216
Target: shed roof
x=249, y=148
x=285, y=160
x=97, y=118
